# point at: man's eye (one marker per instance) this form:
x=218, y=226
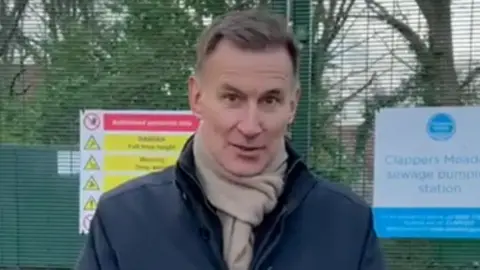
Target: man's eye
x=231, y=98
x=271, y=100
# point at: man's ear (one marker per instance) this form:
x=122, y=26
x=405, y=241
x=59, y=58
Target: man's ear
x=194, y=95
x=294, y=104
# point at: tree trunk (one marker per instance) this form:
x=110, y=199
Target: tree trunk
x=446, y=89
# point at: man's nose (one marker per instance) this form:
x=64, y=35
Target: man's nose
x=250, y=124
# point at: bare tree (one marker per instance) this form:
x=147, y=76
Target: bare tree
x=436, y=68
x=9, y=31
x=332, y=22
x=332, y=17
x=9, y=24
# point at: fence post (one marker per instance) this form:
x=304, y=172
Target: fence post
x=302, y=25
x=279, y=6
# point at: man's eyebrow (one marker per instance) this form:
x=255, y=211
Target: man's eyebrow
x=231, y=88
x=275, y=91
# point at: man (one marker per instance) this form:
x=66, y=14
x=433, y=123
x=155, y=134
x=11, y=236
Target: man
x=239, y=197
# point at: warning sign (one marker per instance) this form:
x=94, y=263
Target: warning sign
x=91, y=185
x=92, y=164
x=117, y=146
x=90, y=205
x=92, y=144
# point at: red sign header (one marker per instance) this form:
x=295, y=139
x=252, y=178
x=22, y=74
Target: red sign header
x=150, y=122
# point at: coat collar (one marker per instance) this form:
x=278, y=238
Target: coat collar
x=298, y=178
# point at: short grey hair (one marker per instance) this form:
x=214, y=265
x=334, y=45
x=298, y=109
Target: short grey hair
x=251, y=30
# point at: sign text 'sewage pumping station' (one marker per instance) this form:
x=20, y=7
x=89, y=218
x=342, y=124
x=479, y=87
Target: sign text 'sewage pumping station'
x=117, y=146
x=427, y=173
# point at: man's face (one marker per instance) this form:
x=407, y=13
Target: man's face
x=246, y=101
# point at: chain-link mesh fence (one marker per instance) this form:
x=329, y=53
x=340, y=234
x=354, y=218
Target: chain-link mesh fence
x=58, y=57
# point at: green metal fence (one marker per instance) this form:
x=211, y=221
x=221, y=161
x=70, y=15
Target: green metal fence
x=357, y=56
x=38, y=209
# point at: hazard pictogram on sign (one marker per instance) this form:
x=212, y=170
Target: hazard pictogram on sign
x=91, y=204
x=92, y=144
x=86, y=222
x=91, y=185
x=91, y=121
x=91, y=165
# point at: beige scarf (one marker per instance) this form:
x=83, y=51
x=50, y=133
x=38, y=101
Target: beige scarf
x=241, y=203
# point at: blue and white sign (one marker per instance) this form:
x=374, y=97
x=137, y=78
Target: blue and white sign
x=427, y=173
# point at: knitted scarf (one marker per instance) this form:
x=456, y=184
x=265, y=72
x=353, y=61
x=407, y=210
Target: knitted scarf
x=241, y=202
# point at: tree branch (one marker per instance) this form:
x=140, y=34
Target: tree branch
x=333, y=21
x=341, y=18
x=398, y=12
x=415, y=41
x=12, y=92
x=346, y=31
x=8, y=31
x=355, y=72
x=394, y=55
x=334, y=52
x=341, y=104
x=471, y=76
x=372, y=105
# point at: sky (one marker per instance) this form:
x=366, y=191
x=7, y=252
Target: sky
x=465, y=14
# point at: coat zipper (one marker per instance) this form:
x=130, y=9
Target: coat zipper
x=270, y=247
x=209, y=208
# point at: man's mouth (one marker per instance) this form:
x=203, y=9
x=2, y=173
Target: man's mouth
x=247, y=148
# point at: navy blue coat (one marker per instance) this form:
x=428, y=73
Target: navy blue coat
x=163, y=221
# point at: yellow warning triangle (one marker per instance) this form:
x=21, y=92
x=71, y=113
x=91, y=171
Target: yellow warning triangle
x=92, y=144
x=91, y=164
x=91, y=185
x=90, y=205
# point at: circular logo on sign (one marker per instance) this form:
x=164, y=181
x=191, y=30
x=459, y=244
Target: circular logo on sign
x=441, y=127
x=91, y=121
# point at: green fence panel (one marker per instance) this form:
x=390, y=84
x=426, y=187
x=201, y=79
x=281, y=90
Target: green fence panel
x=8, y=207
x=40, y=228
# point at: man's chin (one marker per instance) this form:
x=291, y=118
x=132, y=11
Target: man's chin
x=245, y=169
